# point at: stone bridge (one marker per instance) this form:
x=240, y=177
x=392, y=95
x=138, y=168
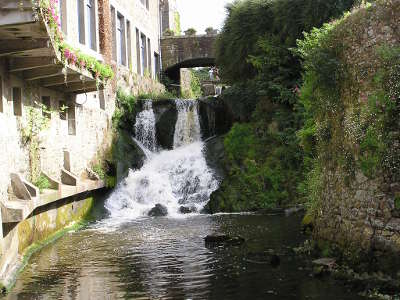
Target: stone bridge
x=187, y=52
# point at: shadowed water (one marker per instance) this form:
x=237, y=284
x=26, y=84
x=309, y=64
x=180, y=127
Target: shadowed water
x=166, y=258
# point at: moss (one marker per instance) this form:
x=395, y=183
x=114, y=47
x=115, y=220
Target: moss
x=25, y=234
x=70, y=217
x=397, y=202
x=111, y=181
x=37, y=246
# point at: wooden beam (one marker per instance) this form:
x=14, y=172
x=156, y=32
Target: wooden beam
x=80, y=88
x=60, y=80
x=28, y=63
x=40, y=73
x=18, y=46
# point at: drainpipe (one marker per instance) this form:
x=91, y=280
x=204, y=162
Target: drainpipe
x=160, y=21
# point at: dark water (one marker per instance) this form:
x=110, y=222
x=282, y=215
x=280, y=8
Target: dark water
x=166, y=259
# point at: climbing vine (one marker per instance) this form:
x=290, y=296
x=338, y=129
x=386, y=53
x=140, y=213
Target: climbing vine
x=36, y=122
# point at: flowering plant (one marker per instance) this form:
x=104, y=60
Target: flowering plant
x=73, y=57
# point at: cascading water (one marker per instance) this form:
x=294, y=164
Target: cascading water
x=175, y=179
x=187, y=129
x=145, y=127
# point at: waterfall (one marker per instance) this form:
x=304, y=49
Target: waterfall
x=145, y=127
x=175, y=179
x=187, y=128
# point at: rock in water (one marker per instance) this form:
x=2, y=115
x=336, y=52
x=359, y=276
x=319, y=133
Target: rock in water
x=223, y=240
x=187, y=210
x=158, y=211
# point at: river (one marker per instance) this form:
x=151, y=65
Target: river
x=125, y=254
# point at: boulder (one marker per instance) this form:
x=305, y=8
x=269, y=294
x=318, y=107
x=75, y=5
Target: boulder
x=223, y=240
x=127, y=155
x=215, y=155
x=187, y=210
x=158, y=211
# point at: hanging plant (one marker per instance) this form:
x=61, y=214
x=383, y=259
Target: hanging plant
x=48, y=10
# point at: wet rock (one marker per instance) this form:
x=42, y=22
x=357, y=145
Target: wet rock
x=223, y=240
x=215, y=117
x=166, y=116
x=215, y=155
x=293, y=210
x=158, y=211
x=323, y=266
x=187, y=210
x=127, y=154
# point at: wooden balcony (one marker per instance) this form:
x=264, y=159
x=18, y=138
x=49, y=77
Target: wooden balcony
x=27, y=45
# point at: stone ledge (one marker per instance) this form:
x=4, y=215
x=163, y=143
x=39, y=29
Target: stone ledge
x=14, y=211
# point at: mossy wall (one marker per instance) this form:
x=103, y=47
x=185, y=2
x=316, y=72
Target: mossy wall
x=37, y=229
x=352, y=99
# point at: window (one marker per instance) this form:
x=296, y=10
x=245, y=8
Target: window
x=149, y=58
x=102, y=100
x=121, y=40
x=139, y=71
x=129, y=43
x=143, y=53
x=157, y=66
x=71, y=119
x=62, y=12
x=91, y=24
x=17, y=101
x=63, y=110
x=46, y=107
x=87, y=23
x=1, y=95
x=81, y=21
x=114, y=33
x=145, y=3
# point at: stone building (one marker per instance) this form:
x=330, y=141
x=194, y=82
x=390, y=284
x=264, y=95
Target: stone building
x=169, y=15
x=57, y=99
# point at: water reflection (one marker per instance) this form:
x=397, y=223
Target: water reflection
x=166, y=259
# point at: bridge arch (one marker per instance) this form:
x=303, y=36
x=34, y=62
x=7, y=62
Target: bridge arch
x=187, y=52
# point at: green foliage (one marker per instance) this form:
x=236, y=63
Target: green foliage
x=195, y=90
x=125, y=112
x=42, y=183
x=371, y=150
x=279, y=23
x=99, y=170
x=397, y=202
x=254, y=53
x=190, y=31
x=169, y=32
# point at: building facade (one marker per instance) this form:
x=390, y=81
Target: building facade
x=57, y=101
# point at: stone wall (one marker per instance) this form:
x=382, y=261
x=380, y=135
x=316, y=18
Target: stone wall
x=188, y=51
x=356, y=207
x=133, y=84
x=37, y=229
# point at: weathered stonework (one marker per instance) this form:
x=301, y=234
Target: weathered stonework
x=187, y=52
x=358, y=211
x=41, y=226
